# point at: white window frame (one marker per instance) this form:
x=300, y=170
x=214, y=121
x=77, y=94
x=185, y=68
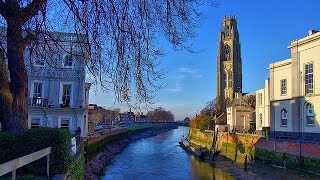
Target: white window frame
x=283, y=87
x=284, y=116
x=34, y=117
x=63, y=61
x=32, y=88
x=307, y=84
x=65, y=117
x=309, y=114
x=36, y=57
x=71, y=93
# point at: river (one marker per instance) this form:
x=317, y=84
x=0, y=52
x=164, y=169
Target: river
x=160, y=157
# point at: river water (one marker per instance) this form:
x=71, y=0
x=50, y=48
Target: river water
x=160, y=157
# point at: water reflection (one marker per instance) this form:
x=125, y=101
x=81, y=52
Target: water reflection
x=160, y=157
x=203, y=170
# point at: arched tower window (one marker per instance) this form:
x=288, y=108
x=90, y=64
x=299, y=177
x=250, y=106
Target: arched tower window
x=309, y=114
x=227, y=31
x=284, y=117
x=227, y=52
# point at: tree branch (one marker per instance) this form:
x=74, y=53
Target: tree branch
x=29, y=38
x=3, y=9
x=32, y=9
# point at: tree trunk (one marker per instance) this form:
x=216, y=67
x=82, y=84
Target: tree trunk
x=5, y=95
x=18, y=119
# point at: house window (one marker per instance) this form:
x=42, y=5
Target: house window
x=260, y=118
x=35, y=123
x=68, y=61
x=38, y=58
x=64, y=123
x=37, y=90
x=260, y=99
x=309, y=78
x=66, y=94
x=309, y=114
x=284, y=117
x=283, y=87
x=86, y=96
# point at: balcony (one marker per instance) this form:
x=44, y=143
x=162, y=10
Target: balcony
x=38, y=102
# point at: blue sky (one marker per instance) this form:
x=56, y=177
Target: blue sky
x=265, y=28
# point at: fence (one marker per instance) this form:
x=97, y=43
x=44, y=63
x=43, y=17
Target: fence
x=11, y=166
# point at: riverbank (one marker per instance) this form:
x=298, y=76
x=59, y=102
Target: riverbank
x=234, y=148
x=95, y=166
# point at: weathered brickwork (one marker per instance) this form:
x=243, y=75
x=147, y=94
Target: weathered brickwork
x=307, y=150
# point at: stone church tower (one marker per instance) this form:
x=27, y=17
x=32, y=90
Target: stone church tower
x=229, y=70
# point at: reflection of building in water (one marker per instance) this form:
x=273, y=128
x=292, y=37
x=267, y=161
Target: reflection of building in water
x=240, y=115
x=207, y=171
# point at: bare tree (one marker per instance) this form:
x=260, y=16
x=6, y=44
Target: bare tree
x=160, y=114
x=123, y=38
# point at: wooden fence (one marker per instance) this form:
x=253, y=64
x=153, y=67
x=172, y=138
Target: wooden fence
x=11, y=166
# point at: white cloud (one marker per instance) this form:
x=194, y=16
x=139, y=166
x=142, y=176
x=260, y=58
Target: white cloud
x=188, y=72
x=177, y=88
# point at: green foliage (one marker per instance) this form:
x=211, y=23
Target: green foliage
x=289, y=160
x=15, y=145
x=205, y=122
x=95, y=148
x=77, y=169
x=137, y=127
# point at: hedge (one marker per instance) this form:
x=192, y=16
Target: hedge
x=292, y=161
x=15, y=145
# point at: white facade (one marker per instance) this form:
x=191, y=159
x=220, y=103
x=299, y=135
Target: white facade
x=263, y=107
x=294, y=90
x=58, y=94
x=240, y=115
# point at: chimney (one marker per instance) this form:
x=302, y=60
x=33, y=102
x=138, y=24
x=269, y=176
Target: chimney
x=310, y=32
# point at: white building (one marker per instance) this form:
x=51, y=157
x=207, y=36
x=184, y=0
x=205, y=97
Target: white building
x=240, y=115
x=263, y=107
x=294, y=90
x=58, y=94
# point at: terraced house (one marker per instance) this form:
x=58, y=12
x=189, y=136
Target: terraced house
x=58, y=93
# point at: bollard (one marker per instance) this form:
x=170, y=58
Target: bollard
x=245, y=163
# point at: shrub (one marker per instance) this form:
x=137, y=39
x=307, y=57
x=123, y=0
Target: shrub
x=15, y=145
x=205, y=122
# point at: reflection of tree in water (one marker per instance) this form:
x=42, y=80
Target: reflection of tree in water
x=203, y=170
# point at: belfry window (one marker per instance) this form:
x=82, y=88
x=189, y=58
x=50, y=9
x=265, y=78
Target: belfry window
x=227, y=52
x=227, y=31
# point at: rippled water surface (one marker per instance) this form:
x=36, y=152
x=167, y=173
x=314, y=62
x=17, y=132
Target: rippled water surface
x=160, y=157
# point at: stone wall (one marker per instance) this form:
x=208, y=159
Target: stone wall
x=236, y=146
x=286, y=153
x=200, y=138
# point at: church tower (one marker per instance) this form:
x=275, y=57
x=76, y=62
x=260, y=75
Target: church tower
x=229, y=70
